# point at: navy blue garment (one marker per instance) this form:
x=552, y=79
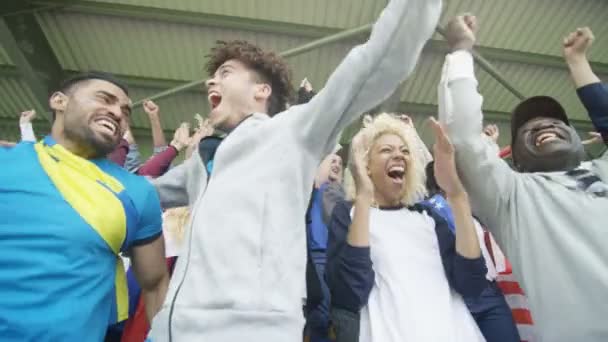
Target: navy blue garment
x=490, y=310
x=350, y=273
x=317, y=306
x=595, y=99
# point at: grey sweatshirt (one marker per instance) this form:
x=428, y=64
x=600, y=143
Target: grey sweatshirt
x=554, y=235
x=241, y=276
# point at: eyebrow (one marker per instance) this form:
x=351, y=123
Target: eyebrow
x=114, y=98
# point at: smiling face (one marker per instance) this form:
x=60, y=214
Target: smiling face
x=234, y=92
x=89, y=117
x=389, y=161
x=546, y=144
x=330, y=170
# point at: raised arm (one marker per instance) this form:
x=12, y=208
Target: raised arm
x=592, y=93
x=158, y=136
x=368, y=75
x=25, y=125
x=487, y=178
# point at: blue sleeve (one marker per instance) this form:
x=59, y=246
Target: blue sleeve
x=595, y=99
x=465, y=276
x=349, y=272
x=150, y=223
x=133, y=161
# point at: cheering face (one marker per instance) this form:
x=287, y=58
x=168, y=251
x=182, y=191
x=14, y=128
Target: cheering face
x=547, y=144
x=330, y=169
x=93, y=116
x=232, y=93
x=389, y=158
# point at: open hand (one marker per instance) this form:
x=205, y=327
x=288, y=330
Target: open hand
x=359, y=166
x=492, y=132
x=445, y=165
x=595, y=137
x=306, y=85
x=181, y=138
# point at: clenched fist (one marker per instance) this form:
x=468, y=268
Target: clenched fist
x=461, y=32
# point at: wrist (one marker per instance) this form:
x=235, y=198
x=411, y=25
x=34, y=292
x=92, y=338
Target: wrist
x=459, y=195
x=364, y=197
x=177, y=145
x=577, y=59
x=153, y=117
x=462, y=45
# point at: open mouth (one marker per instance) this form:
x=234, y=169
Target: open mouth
x=335, y=170
x=107, y=125
x=396, y=173
x=546, y=137
x=214, y=99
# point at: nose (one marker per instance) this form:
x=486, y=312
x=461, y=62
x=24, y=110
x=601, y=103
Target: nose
x=210, y=82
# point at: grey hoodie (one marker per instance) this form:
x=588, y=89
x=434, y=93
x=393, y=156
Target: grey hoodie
x=241, y=276
x=554, y=235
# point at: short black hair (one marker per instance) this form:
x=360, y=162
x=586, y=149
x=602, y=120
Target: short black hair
x=70, y=83
x=431, y=182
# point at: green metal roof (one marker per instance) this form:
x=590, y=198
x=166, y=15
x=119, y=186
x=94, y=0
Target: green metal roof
x=154, y=45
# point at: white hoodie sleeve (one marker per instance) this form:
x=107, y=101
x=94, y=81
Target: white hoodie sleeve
x=367, y=76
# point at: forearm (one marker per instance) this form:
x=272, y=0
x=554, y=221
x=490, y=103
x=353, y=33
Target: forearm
x=368, y=74
x=580, y=71
x=358, y=232
x=158, y=136
x=594, y=97
x=467, y=242
x=159, y=163
x=154, y=296
x=27, y=132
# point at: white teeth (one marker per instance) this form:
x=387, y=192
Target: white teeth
x=397, y=168
x=107, y=124
x=545, y=137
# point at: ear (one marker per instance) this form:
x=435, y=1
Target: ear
x=58, y=102
x=262, y=91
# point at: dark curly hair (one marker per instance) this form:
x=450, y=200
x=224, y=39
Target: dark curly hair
x=270, y=67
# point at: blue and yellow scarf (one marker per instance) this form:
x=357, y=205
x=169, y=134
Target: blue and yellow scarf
x=88, y=189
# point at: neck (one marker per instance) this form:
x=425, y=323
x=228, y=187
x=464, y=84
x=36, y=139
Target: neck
x=70, y=145
x=385, y=201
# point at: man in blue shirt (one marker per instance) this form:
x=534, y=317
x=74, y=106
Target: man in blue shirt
x=67, y=212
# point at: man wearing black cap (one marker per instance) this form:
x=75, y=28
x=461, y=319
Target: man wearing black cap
x=549, y=216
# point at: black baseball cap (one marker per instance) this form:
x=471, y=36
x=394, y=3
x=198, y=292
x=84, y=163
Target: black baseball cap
x=534, y=107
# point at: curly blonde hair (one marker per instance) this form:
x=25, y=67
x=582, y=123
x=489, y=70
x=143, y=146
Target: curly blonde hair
x=415, y=178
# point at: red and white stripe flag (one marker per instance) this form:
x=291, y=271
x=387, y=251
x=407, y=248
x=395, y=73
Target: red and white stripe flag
x=514, y=294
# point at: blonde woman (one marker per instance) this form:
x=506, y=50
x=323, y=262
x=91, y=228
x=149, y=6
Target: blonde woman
x=394, y=261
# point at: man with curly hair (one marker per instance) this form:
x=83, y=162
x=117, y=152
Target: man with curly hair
x=242, y=272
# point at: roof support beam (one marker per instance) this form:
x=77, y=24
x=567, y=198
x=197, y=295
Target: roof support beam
x=278, y=27
x=286, y=54
x=26, y=45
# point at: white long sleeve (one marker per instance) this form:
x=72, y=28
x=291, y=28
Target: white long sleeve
x=27, y=132
x=487, y=178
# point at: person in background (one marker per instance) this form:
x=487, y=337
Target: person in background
x=396, y=258
x=317, y=307
x=62, y=277
x=547, y=213
x=152, y=110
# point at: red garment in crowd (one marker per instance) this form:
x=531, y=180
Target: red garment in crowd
x=119, y=155
x=514, y=294
x=505, y=152
x=159, y=163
